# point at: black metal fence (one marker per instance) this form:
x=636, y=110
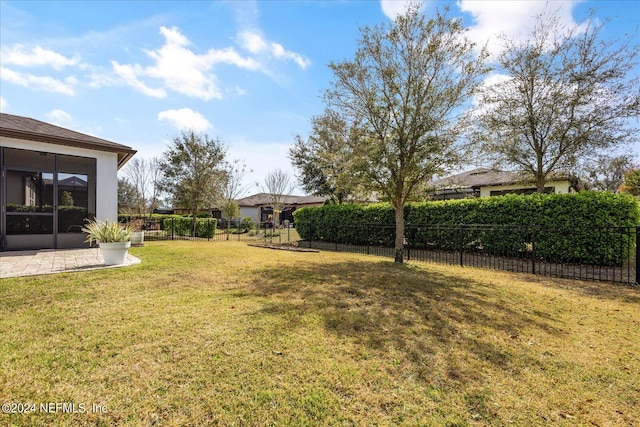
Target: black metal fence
x=208, y=229
x=528, y=249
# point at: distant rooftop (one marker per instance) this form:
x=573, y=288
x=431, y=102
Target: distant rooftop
x=264, y=199
x=481, y=177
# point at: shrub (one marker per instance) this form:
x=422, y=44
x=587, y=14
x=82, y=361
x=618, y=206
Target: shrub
x=182, y=226
x=246, y=224
x=587, y=227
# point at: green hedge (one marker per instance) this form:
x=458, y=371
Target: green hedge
x=123, y=218
x=183, y=226
x=588, y=227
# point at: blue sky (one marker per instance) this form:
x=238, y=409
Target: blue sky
x=249, y=72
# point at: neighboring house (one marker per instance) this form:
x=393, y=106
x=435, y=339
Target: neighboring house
x=258, y=206
x=484, y=182
x=52, y=179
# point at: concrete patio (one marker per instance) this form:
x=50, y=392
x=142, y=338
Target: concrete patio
x=31, y=263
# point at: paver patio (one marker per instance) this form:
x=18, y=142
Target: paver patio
x=30, y=263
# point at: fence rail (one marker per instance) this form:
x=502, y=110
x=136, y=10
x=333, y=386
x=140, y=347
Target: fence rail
x=209, y=229
x=528, y=248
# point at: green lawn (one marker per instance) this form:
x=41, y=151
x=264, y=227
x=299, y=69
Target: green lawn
x=219, y=333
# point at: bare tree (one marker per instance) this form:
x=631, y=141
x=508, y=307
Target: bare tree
x=155, y=174
x=144, y=175
x=606, y=172
x=279, y=186
x=565, y=94
x=233, y=189
x=136, y=172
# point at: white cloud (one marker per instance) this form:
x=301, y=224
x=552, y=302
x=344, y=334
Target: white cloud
x=20, y=55
x=129, y=75
x=59, y=117
x=3, y=104
x=185, y=118
x=45, y=83
x=252, y=42
x=515, y=19
x=256, y=44
x=180, y=69
x=492, y=83
x=393, y=8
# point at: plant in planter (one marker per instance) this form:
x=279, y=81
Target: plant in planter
x=114, y=240
x=137, y=235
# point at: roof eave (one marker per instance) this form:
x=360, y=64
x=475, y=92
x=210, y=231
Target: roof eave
x=124, y=153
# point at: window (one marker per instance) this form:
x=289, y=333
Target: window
x=47, y=194
x=29, y=191
x=547, y=190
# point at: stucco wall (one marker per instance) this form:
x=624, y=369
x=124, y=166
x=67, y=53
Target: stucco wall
x=561, y=187
x=250, y=211
x=106, y=171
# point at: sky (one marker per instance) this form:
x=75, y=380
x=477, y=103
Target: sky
x=251, y=73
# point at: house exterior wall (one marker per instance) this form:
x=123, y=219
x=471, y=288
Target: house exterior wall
x=106, y=171
x=252, y=212
x=560, y=187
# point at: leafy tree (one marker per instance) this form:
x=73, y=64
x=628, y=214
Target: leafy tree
x=230, y=209
x=631, y=183
x=278, y=185
x=193, y=172
x=401, y=95
x=565, y=94
x=66, y=199
x=126, y=196
x=322, y=160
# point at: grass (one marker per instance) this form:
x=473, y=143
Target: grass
x=219, y=333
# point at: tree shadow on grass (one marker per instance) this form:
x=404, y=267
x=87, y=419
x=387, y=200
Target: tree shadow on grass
x=594, y=289
x=387, y=307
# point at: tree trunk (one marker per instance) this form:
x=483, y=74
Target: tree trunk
x=540, y=182
x=399, y=246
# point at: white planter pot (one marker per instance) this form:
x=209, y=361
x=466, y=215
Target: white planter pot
x=137, y=238
x=114, y=253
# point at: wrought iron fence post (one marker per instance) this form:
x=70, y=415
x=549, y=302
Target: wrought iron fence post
x=461, y=236
x=533, y=249
x=405, y=242
x=368, y=234
x=173, y=227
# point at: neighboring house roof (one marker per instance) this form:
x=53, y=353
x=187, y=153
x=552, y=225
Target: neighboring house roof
x=34, y=130
x=264, y=199
x=485, y=177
